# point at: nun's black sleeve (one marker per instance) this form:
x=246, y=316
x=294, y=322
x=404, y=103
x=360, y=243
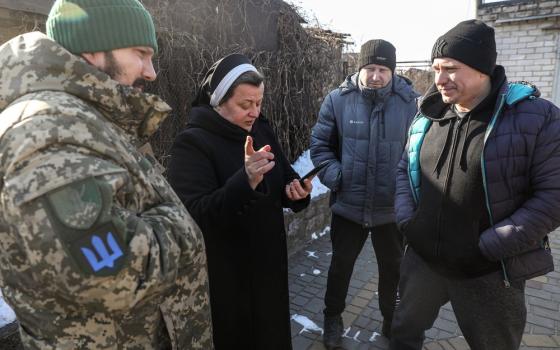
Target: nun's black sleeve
x=192, y=175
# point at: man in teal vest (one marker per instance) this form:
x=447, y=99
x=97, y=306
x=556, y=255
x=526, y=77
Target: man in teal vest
x=478, y=189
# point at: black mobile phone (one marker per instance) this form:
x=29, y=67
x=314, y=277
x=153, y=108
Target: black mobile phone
x=314, y=171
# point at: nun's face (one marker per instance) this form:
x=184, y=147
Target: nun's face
x=244, y=106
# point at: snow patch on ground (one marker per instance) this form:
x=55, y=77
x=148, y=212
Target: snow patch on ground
x=347, y=334
x=302, y=166
x=308, y=325
x=7, y=315
x=374, y=336
x=311, y=254
x=316, y=235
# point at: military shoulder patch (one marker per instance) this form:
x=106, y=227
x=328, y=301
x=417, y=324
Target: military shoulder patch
x=77, y=205
x=80, y=214
x=100, y=252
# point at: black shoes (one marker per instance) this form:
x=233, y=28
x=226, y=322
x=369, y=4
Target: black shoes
x=332, y=334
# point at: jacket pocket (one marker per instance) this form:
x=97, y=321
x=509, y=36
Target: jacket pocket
x=530, y=264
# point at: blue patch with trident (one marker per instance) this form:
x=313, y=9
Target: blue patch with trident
x=101, y=252
x=107, y=252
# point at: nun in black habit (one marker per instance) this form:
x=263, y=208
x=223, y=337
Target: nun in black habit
x=229, y=170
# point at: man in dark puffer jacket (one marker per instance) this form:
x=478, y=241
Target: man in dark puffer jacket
x=361, y=132
x=478, y=189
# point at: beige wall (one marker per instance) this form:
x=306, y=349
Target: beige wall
x=528, y=42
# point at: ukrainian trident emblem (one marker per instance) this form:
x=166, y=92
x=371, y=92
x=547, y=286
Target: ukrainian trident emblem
x=104, y=253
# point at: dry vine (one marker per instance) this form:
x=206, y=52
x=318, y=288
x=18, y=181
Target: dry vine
x=305, y=66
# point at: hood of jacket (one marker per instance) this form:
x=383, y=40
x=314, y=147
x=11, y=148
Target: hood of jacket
x=32, y=62
x=400, y=86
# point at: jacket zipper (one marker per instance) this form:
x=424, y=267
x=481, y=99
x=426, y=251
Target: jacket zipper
x=456, y=125
x=489, y=129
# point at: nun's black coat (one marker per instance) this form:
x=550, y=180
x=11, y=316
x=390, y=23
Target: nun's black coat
x=243, y=229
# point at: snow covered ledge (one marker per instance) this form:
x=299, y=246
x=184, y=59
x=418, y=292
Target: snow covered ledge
x=9, y=338
x=313, y=222
x=310, y=224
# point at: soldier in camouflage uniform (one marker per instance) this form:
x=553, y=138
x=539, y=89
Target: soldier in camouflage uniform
x=96, y=250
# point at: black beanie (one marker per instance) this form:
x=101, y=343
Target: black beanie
x=378, y=51
x=471, y=42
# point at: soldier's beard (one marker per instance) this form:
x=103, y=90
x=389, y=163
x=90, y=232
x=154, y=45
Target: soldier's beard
x=114, y=70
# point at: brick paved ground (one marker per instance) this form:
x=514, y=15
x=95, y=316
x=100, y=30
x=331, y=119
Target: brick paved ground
x=308, y=278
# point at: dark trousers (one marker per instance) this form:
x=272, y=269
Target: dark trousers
x=491, y=316
x=348, y=239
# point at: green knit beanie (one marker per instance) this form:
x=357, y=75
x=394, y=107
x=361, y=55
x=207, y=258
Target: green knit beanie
x=100, y=25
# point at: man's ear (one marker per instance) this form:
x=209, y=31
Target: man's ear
x=96, y=59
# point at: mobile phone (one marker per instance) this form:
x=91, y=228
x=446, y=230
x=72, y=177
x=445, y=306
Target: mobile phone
x=314, y=171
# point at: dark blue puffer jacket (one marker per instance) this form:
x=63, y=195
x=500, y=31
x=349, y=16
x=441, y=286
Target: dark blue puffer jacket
x=521, y=173
x=364, y=140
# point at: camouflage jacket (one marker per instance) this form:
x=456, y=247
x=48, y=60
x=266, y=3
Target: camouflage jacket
x=96, y=250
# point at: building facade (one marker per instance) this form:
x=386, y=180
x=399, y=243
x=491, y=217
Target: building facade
x=527, y=40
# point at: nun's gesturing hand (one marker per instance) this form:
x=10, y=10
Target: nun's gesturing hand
x=257, y=163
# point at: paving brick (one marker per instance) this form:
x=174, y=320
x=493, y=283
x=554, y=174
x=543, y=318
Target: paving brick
x=540, y=321
x=366, y=294
x=373, y=326
x=541, y=279
x=446, y=345
x=432, y=346
x=459, y=343
x=306, y=294
x=555, y=315
x=371, y=286
x=534, y=284
x=538, y=293
x=432, y=333
x=316, y=346
x=348, y=318
x=356, y=284
x=315, y=306
x=541, y=330
x=354, y=309
x=314, y=290
x=300, y=301
x=360, y=302
x=361, y=322
x=548, y=304
x=311, y=335
x=551, y=288
x=296, y=288
x=301, y=343
x=445, y=325
x=543, y=341
x=446, y=335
